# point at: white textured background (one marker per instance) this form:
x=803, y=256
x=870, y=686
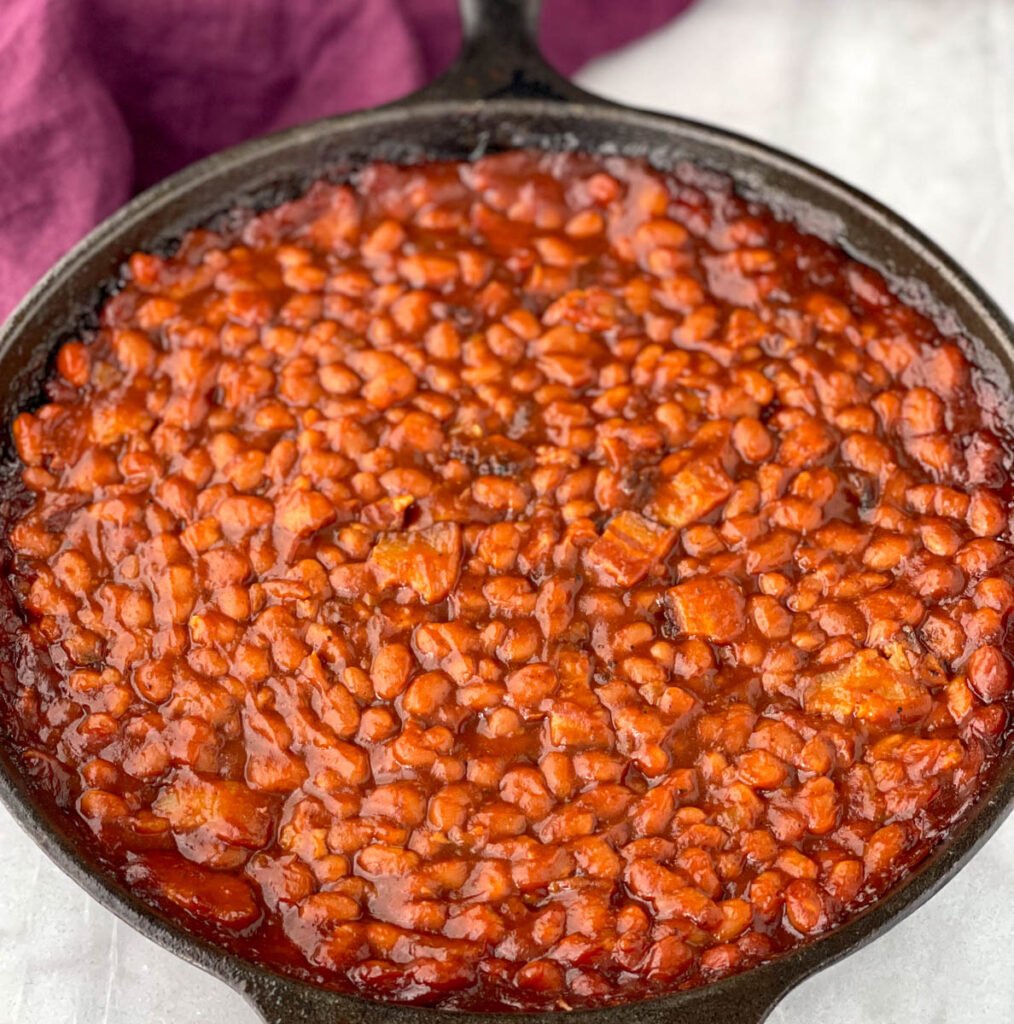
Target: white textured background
x=911, y=100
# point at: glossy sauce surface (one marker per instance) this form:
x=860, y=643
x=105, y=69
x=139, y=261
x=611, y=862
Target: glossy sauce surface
x=534, y=583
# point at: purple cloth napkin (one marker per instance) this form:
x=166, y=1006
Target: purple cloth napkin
x=101, y=98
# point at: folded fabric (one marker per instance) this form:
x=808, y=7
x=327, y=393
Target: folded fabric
x=101, y=98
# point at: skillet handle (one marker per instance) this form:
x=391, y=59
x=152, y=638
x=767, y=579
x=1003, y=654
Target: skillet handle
x=500, y=57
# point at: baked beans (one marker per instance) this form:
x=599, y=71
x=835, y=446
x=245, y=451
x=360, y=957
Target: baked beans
x=531, y=583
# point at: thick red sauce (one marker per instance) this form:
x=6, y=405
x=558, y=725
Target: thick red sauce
x=540, y=582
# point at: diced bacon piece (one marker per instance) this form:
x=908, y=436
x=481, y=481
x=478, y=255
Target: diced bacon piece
x=576, y=727
x=894, y=605
x=227, y=810
x=709, y=606
x=269, y=765
x=627, y=550
x=303, y=512
x=867, y=686
x=426, y=560
x=208, y=895
x=593, y=309
x=282, y=879
x=692, y=493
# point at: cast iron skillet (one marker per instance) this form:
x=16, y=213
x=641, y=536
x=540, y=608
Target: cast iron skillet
x=499, y=95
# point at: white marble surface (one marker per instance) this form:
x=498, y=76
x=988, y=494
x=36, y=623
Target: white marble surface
x=911, y=100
